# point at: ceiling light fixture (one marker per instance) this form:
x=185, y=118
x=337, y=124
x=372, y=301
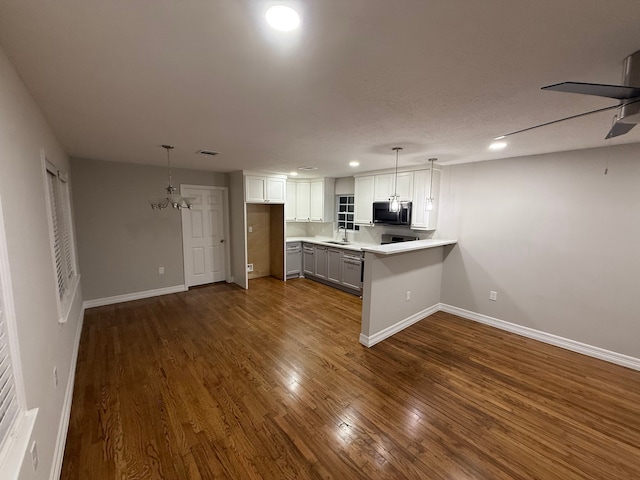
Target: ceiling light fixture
x=430, y=199
x=354, y=163
x=497, y=146
x=172, y=198
x=394, y=200
x=293, y=174
x=282, y=18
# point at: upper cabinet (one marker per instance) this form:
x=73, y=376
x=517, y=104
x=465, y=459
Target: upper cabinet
x=412, y=186
x=313, y=201
x=265, y=188
x=363, y=193
x=421, y=217
x=385, y=186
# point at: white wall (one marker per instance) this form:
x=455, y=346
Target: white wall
x=388, y=278
x=555, y=237
x=238, y=227
x=44, y=343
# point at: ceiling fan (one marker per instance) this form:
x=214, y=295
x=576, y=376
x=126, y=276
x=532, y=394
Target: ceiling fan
x=628, y=94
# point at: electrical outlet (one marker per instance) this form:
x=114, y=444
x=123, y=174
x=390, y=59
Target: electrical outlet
x=34, y=455
x=250, y=267
x=250, y=229
x=493, y=295
x=408, y=295
x=55, y=376
x=161, y=270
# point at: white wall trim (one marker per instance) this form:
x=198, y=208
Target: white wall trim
x=370, y=341
x=63, y=427
x=99, y=302
x=566, y=343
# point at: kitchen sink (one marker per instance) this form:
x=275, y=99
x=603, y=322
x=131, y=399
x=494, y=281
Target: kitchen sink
x=335, y=242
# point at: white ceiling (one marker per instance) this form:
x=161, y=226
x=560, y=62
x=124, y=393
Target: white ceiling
x=441, y=78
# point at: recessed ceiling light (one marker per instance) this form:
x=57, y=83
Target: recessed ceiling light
x=293, y=174
x=355, y=163
x=282, y=18
x=210, y=153
x=497, y=145
x=307, y=168
x=500, y=137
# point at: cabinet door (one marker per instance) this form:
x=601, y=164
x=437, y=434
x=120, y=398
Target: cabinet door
x=294, y=261
x=309, y=259
x=405, y=186
x=421, y=217
x=351, y=274
x=334, y=272
x=420, y=193
x=276, y=190
x=383, y=187
x=363, y=194
x=317, y=201
x=321, y=261
x=255, y=189
x=303, y=199
x=290, y=204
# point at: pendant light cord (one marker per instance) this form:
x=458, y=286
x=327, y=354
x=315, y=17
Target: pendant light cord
x=395, y=188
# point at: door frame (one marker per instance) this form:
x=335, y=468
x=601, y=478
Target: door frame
x=227, y=240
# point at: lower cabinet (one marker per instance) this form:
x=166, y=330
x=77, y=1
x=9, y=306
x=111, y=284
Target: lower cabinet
x=333, y=266
x=351, y=270
x=308, y=259
x=294, y=259
x=322, y=269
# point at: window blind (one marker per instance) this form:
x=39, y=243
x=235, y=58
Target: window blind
x=9, y=407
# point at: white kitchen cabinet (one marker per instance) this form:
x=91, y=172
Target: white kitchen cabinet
x=363, y=193
x=264, y=189
x=385, y=186
x=290, y=204
x=322, y=200
x=303, y=201
x=421, y=218
x=276, y=189
x=313, y=201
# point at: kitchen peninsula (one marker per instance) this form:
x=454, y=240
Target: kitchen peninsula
x=401, y=286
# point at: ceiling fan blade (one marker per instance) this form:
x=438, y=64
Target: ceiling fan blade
x=619, y=92
x=619, y=129
x=560, y=120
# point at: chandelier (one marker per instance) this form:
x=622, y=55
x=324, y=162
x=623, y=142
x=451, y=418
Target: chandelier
x=171, y=198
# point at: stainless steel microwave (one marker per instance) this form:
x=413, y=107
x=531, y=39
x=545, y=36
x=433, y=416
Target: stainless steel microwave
x=381, y=214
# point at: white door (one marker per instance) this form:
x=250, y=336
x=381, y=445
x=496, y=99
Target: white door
x=204, y=235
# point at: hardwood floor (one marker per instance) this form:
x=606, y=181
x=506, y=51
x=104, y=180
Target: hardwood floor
x=219, y=382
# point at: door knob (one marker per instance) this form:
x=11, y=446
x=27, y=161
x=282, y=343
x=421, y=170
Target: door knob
x=222, y=241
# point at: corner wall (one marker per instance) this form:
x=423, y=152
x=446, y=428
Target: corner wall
x=44, y=343
x=555, y=237
x=121, y=241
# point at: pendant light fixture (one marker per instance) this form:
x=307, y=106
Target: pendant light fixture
x=171, y=198
x=430, y=199
x=394, y=200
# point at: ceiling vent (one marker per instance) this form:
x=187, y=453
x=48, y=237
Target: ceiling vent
x=307, y=168
x=210, y=153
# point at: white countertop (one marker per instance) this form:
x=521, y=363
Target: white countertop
x=356, y=247
x=389, y=249
x=402, y=247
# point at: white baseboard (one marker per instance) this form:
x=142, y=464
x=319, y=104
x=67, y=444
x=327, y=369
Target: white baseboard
x=63, y=427
x=99, y=302
x=566, y=343
x=395, y=328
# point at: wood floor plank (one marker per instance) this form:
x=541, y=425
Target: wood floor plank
x=271, y=383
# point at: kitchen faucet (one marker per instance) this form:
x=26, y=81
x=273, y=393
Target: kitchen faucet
x=345, y=238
